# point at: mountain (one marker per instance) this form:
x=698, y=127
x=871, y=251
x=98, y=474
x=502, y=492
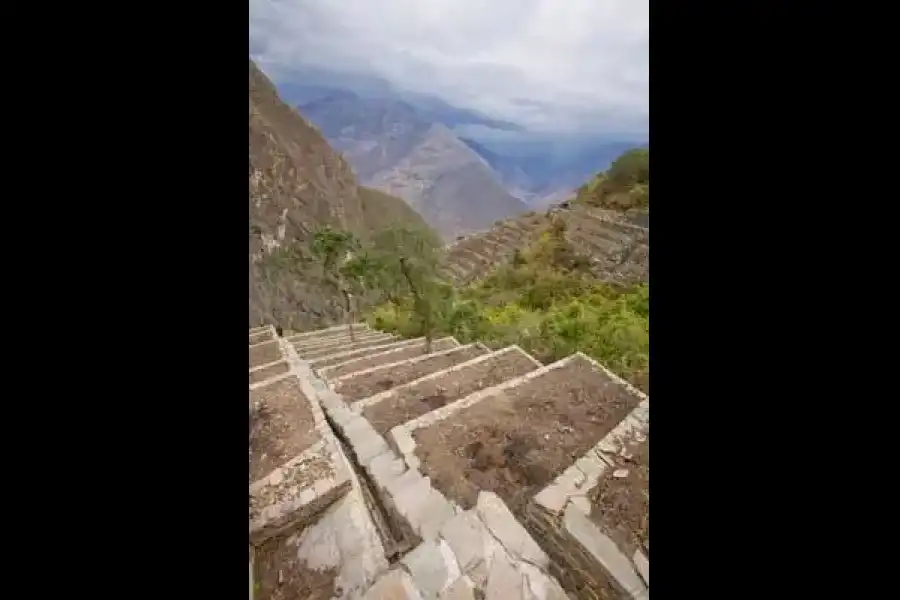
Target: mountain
x=398, y=147
x=542, y=168
x=375, y=123
x=298, y=184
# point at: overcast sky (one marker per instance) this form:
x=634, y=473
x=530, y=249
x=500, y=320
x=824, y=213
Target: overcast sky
x=551, y=65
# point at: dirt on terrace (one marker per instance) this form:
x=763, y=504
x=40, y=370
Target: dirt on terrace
x=281, y=426
x=621, y=505
x=384, y=357
x=281, y=575
x=367, y=384
x=265, y=353
x=314, y=353
x=412, y=402
x=516, y=442
x=328, y=361
x=268, y=372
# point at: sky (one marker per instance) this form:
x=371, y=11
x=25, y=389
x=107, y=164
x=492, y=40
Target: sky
x=550, y=65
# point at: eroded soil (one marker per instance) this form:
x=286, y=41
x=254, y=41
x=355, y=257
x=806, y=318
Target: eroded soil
x=516, y=442
x=621, y=504
x=281, y=426
x=367, y=384
x=414, y=401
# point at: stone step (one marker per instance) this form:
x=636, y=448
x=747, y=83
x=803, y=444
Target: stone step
x=365, y=336
x=322, y=334
x=264, y=353
x=263, y=335
x=326, y=330
x=416, y=398
x=538, y=431
x=333, y=556
x=383, y=356
x=459, y=554
x=295, y=467
x=594, y=516
x=317, y=351
x=363, y=384
x=268, y=371
x=527, y=427
x=339, y=355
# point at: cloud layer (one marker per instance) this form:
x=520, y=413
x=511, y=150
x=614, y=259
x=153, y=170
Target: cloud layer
x=547, y=64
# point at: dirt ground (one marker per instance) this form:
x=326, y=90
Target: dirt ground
x=265, y=353
x=347, y=346
x=621, y=505
x=386, y=378
x=378, y=359
x=281, y=426
x=280, y=575
x=415, y=401
x=263, y=374
x=515, y=443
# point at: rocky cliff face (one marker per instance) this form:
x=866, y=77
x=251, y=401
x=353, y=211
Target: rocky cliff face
x=298, y=184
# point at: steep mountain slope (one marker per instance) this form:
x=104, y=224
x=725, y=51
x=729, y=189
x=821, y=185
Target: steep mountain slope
x=449, y=185
x=298, y=184
x=394, y=147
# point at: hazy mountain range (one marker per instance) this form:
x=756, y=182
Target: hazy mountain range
x=460, y=169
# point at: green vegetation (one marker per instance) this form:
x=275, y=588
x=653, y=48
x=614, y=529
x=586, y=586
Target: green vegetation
x=624, y=186
x=544, y=300
x=335, y=252
x=407, y=263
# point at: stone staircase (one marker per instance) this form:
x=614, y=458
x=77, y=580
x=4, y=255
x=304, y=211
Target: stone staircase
x=380, y=472
x=619, y=251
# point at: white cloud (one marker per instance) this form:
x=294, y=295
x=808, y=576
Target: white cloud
x=549, y=64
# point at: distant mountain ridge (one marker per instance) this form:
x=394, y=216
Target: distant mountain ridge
x=394, y=147
x=374, y=123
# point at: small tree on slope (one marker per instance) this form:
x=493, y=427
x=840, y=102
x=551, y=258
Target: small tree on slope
x=335, y=249
x=409, y=264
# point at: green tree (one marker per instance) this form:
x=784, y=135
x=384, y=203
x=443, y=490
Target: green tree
x=362, y=275
x=335, y=249
x=409, y=265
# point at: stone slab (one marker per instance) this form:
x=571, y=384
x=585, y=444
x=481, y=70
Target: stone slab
x=297, y=491
x=394, y=585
